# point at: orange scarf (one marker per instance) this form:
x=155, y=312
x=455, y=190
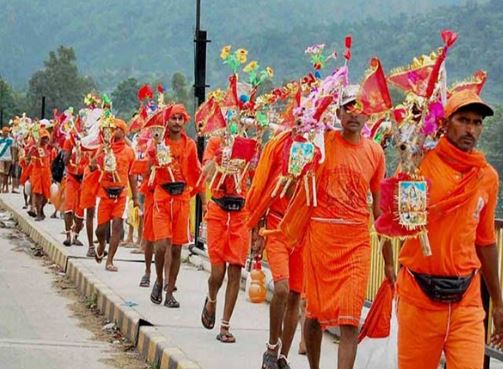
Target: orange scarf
x=468, y=163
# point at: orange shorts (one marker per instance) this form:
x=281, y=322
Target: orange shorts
x=72, y=197
x=456, y=330
x=171, y=220
x=227, y=235
x=41, y=182
x=109, y=209
x=89, y=190
x=284, y=262
x=148, y=218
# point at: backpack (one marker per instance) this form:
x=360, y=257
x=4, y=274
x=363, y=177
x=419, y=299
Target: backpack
x=58, y=167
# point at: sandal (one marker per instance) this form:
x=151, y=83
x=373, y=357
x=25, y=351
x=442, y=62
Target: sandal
x=171, y=302
x=67, y=242
x=31, y=213
x=77, y=242
x=91, y=253
x=99, y=257
x=283, y=362
x=226, y=337
x=111, y=268
x=270, y=360
x=156, y=295
x=208, y=320
x=145, y=281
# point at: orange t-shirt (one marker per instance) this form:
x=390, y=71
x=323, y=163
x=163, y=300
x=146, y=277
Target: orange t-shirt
x=125, y=157
x=350, y=172
x=185, y=167
x=454, y=237
x=213, y=151
x=41, y=156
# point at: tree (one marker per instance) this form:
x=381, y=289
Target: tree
x=491, y=144
x=11, y=102
x=60, y=82
x=124, y=98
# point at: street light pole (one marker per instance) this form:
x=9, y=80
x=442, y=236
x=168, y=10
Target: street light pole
x=200, y=40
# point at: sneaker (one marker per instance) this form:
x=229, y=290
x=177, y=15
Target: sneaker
x=270, y=360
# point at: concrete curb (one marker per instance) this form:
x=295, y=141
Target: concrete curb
x=153, y=346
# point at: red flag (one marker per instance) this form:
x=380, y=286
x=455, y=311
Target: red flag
x=204, y=111
x=136, y=123
x=231, y=97
x=243, y=148
x=214, y=121
x=475, y=84
x=373, y=96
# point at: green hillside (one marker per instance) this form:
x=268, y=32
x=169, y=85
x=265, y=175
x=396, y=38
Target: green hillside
x=151, y=39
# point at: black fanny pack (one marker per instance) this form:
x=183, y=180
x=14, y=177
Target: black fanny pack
x=443, y=289
x=113, y=192
x=78, y=177
x=229, y=203
x=174, y=188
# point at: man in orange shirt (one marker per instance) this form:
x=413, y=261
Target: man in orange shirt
x=228, y=239
x=41, y=156
x=76, y=162
x=174, y=185
x=112, y=193
x=335, y=233
x=284, y=261
x=440, y=306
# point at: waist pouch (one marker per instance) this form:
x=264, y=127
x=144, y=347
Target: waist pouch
x=229, y=203
x=443, y=289
x=113, y=192
x=78, y=177
x=174, y=188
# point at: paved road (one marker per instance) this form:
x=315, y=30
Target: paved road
x=36, y=327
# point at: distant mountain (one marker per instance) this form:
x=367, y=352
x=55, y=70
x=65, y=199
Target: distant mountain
x=151, y=39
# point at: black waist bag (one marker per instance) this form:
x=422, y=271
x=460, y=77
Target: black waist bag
x=443, y=289
x=78, y=177
x=114, y=192
x=229, y=203
x=174, y=188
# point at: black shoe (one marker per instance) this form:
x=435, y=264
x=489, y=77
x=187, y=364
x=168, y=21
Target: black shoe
x=156, y=295
x=270, y=360
x=67, y=242
x=77, y=242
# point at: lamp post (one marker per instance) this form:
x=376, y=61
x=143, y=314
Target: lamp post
x=200, y=40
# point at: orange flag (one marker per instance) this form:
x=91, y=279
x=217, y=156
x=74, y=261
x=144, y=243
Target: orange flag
x=475, y=84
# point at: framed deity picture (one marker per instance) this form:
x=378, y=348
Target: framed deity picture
x=301, y=154
x=412, y=203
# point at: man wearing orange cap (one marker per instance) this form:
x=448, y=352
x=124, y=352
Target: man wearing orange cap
x=6, y=146
x=440, y=307
x=335, y=233
x=75, y=162
x=175, y=184
x=41, y=156
x=266, y=210
x=112, y=192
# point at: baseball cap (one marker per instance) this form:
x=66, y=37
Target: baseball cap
x=349, y=94
x=466, y=98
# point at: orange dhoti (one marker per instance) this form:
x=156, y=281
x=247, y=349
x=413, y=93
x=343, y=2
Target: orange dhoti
x=72, y=196
x=426, y=328
x=90, y=185
x=148, y=218
x=228, y=236
x=171, y=220
x=336, y=267
x=285, y=262
x=25, y=172
x=41, y=181
x=109, y=209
